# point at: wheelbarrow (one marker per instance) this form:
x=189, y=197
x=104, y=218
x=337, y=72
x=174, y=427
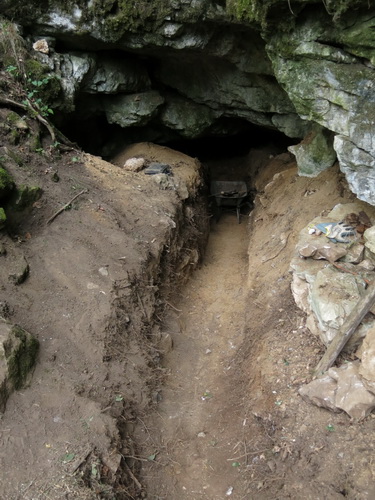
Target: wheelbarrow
x=229, y=194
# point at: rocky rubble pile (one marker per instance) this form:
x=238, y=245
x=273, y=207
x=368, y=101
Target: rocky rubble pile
x=329, y=278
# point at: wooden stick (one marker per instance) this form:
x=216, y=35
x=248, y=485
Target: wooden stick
x=173, y=307
x=69, y=145
x=65, y=206
x=347, y=330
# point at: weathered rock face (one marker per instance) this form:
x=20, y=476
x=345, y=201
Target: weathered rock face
x=206, y=77
x=329, y=76
x=315, y=153
x=189, y=69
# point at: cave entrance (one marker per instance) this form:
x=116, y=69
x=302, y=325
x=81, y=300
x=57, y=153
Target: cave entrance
x=231, y=164
x=232, y=152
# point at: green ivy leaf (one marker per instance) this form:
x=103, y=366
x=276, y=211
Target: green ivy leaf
x=68, y=457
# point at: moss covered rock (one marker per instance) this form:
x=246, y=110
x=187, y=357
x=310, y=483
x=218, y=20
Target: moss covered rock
x=26, y=196
x=18, y=351
x=6, y=183
x=42, y=84
x=329, y=85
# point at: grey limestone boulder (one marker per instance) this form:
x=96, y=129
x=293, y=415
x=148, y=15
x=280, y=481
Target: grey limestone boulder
x=133, y=109
x=326, y=293
x=315, y=153
x=331, y=83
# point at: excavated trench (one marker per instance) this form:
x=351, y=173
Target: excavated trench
x=183, y=445
x=225, y=158
x=194, y=428
x=217, y=413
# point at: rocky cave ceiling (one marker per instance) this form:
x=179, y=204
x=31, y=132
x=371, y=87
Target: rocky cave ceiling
x=189, y=70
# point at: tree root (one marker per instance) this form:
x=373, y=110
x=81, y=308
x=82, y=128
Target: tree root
x=41, y=119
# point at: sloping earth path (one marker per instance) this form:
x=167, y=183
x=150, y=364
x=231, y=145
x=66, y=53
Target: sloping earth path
x=194, y=436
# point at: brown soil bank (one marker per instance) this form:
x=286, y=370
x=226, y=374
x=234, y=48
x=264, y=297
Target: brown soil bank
x=112, y=410
x=100, y=274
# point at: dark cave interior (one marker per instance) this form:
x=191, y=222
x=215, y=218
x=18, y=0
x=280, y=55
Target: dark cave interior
x=229, y=138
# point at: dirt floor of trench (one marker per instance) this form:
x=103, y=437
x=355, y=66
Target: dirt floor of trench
x=110, y=411
x=198, y=423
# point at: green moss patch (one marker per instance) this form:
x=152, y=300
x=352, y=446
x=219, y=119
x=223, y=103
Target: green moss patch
x=26, y=196
x=6, y=183
x=22, y=350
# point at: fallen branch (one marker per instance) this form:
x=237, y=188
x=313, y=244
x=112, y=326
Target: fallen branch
x=79, y=461
x=27, y=107
x=65, y=206
x=137, y=458
x=347, y=330
x=142, y=305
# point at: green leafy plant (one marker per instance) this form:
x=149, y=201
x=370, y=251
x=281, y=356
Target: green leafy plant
x=68, y=457
x=33, y=88
x=35, y=82
x=13, y=70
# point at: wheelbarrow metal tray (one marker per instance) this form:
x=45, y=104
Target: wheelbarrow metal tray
x=229, y=193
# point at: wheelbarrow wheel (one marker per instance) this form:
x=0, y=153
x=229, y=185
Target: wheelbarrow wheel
x=239, y=215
